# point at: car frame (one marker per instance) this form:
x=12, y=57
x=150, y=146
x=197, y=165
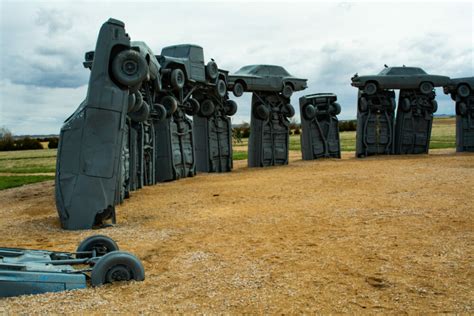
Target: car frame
x=252, y=78
x=399, y=78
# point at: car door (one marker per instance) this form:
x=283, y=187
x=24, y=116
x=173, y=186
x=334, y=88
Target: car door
x=196, y=58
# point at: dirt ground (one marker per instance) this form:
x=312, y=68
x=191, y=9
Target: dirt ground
x=382, y=234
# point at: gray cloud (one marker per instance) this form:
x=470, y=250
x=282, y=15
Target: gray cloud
x=55, y=20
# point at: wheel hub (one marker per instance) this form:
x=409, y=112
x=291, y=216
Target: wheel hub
x=117, y=274
x=130, y=67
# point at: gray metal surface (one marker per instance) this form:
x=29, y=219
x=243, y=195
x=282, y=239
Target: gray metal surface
x=269, y=129
x=414, y=122
x=320, y=126
x=375, y=123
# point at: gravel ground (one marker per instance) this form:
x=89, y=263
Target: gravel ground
x=382, y=234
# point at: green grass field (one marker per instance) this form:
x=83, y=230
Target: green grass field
x=30, y=166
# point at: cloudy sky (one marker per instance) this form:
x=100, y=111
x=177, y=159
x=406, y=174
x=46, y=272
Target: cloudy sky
x=43, y=43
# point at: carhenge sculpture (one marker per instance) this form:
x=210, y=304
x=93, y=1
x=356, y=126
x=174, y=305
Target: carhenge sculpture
x=114, y=121
x=376, y=131
x=320, y=126
x=272, y=87
x=462, y=92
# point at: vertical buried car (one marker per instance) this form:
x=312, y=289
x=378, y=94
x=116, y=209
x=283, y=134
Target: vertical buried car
x=88, y=184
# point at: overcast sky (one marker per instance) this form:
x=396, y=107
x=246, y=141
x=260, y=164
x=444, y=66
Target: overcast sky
x=43, y=43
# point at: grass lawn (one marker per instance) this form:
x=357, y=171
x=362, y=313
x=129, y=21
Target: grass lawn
x=29, y=166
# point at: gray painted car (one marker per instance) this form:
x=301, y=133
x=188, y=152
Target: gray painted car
x=399, y=78
x=264, y=78
x=459, y=86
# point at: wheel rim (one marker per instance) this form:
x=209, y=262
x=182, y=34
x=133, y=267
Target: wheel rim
x=117, y=274
x=130, y=67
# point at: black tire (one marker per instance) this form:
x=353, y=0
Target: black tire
x=207, y=108
x=192, y=107
x=463, y=90
x=178, y=79
x=221, y=88
x=462, y=108
x=131, y=102
x=138, y=102
x=238, y=89
x=261, y=111
x=434, y=106
x=335, y=108
x=142, y=114
x=426, y=87
x=115, y=267
x=212, y=71
x=100, y=243
x=129, y=68
x=171, y=105
x=405, y=105
x=230, y=107
x=287, y=91
x=363, y=105
x=370, y=88
x=308, y=111
x=288, y=110
x=160, y=111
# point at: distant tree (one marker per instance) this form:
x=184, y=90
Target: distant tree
x=53, y=142
x=6, y=139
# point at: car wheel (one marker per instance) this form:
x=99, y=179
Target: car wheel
x=335, y=108
x=129, y=68
x=363, y=105
x=287, y=91
x=238, y=89
x=230, y=107
x=115, y=267
x=463, y=90
x=406, y=105
x=171, y=105
x=261, y=111
x=207, y=108
x=177, y=79
x=370, y=88
x=142, y=114
x=192, y=107
x=100, y=243
x=462, y=108
x=309, y=112
x=131, y=102
x=212, y=70
x=288, y=110
x=138, y=102
x=434, y=105
x=221, y=88
x=426, y=87
x=160, y=111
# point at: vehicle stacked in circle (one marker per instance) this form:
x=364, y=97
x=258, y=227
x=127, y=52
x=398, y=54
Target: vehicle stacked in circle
x=26, y=271
x=271, y=87
x=376, y=131
x=320, y=126
x=462, y=92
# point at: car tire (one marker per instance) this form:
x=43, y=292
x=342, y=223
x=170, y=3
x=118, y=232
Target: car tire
x=221, y=88
x=363, y=105
x=100, y=243
x=171, y=105
x=178, y=79
x=131, y=102
x=288, y=110
x=434, y=105
x=115, y=267
x=287, y=91
x=308, y=111
x=370, y=88
x=405, y=105
x=142, y=114
x=138, y=102
x=160, y=111
x=261, y=111
x=192, y=107
x=462, y=108
x=238, y=89
x=212, y=71
x=230, y=107
x=129, y=68
x=463, y=90
x=207, y=108
x=426, y=87
x=335, y=108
